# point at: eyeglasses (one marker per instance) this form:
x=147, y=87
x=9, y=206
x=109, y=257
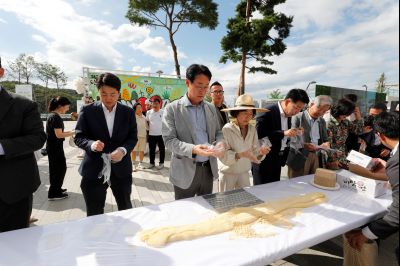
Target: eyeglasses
x=218, y=92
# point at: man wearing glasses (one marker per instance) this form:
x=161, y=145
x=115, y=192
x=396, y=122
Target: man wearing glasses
x=189, y=126
x=217, y=95
x=276, y=125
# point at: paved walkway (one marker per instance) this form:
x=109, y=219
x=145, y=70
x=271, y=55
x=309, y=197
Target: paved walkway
x=153, y=187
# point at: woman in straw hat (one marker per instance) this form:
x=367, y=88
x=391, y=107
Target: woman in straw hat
x=241, y=141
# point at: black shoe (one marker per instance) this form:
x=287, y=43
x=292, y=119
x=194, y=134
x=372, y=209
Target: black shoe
x=59, y=197
x=63, y=190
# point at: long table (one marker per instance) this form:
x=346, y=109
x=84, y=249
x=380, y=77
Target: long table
x=110, y=239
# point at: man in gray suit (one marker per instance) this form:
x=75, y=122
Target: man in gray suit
x=387, y=126
x=189, y=125
x=304, y=156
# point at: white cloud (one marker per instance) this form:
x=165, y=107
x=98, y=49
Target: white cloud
x=157, y=47
x=74, y=41
x=141, y=69
x=3, y=21
x=40, y=39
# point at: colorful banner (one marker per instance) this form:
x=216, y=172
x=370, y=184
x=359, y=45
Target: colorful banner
x=140, y=88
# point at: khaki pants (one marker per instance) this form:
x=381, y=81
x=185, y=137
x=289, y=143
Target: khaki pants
x=233, y=181
x=368, y=256
x=310, y=166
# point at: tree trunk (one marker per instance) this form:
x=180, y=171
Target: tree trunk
x=241, y=87
x=174, y=49
x=240, y=90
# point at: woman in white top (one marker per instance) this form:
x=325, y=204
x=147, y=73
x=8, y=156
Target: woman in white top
x=241, y=141
x=142, y=128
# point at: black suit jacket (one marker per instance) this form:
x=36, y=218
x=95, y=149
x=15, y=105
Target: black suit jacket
x=92, y=126
x=389, y=224
x=21, y=133
x=269, y=125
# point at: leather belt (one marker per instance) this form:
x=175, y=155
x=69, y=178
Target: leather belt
x=203, y=164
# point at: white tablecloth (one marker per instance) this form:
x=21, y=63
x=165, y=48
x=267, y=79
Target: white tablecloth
x=109, y=239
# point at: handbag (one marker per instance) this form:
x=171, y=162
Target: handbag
x=296, y=159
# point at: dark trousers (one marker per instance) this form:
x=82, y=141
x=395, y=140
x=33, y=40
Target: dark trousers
x=94, y=193
x=202, y=184
x=57, y=168
x=269, y=170
x=155, y=141
x=15, y=215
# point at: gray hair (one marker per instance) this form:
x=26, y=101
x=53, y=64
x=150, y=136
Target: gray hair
x=322, y=100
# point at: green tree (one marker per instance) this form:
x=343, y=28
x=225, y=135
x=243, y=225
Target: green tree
x=381, y=84
x=255, y=38
x=59, y=77
x=44, y=72
x=275, y=94
x=171, y=14
x=23, y=67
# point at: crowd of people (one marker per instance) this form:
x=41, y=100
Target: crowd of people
x=208, y=141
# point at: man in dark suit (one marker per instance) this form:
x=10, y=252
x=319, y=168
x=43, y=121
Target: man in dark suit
x=107, y=131
x=276, y=125
x=21, y=133
x=387, y=126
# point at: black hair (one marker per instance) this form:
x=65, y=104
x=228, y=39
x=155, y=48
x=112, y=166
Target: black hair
x=369, y=121
x=235, y=113
x=351, y=97
x=215, y=83
x=156, y=100
x=379, y=106
x=136, y=105
x=387, y=123
x=343, y=107
x=108, y=79
x=58, y=101
x=197, y=69
x=298, y=95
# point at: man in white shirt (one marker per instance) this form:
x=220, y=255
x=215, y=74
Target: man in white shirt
x=154, y=117
x=107, y=131
x=276, y=125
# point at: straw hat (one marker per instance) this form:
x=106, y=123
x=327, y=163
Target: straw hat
x=245, y=102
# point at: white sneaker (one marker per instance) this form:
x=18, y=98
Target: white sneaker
x=140, y=166
x=151, y=166
x=160, y=166
x=134, y=169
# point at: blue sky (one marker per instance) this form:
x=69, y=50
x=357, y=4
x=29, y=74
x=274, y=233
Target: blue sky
x=346, y=43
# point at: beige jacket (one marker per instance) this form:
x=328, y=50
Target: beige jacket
x=236, y=143
x=142, y=126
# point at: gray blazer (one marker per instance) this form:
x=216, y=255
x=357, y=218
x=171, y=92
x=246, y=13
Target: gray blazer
x=297, y=157
x=179, y=138
x=301, y=120
x=389, y=224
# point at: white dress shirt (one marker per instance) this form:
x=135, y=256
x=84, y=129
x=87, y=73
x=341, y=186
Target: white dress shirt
x=110, y=117
x=284, y=125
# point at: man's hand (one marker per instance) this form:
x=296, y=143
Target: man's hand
x=98, y=146
x=290, y=133
x=356, y=239
x=203, y=150
x=380, y=166
x=384, y=153
x=117, y=155
x=310, y=147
